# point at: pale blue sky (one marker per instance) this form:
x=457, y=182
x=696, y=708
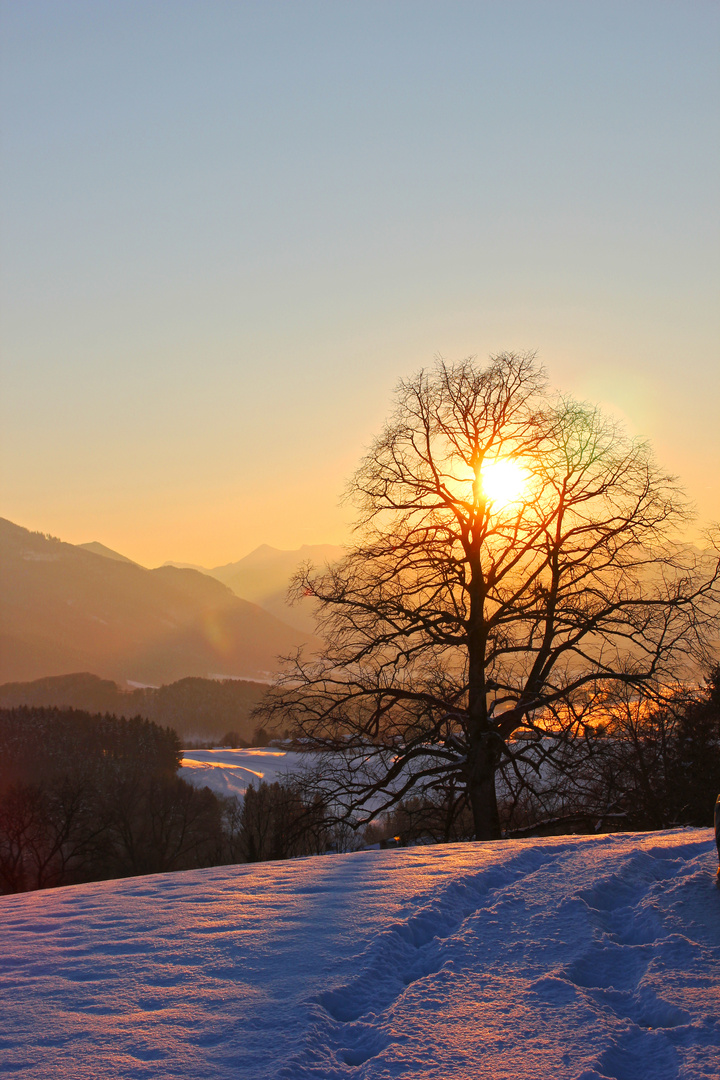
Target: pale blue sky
x=229, y=228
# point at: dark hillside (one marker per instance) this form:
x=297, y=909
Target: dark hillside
x=65, y=609
x=194, y=708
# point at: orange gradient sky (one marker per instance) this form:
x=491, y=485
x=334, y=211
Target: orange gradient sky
x=229, y=228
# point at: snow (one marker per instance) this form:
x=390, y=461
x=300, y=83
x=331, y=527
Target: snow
x=230, y=772
x=575, y=958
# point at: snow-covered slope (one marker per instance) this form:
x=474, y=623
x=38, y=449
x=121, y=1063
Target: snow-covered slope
x=565, y=958
x=230, y=772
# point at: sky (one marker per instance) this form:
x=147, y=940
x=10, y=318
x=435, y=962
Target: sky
x=229, y=228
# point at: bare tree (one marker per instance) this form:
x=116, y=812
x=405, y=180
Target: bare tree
x=516, y=552
x=280, y=821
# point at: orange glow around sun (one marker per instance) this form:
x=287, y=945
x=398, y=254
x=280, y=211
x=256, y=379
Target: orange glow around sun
x=503, y=482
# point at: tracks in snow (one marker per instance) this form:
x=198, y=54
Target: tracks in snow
x=622, y=970
x=401, y=955
x=607, y=973
x=413, y=949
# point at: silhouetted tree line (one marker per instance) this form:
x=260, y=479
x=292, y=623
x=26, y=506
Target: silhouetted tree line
x=284, y=821
x=86, y=797
x=647, y=767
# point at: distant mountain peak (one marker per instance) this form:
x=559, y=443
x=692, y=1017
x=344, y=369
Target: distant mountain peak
x=286, y=556
x=186, y=566
x=100, y=549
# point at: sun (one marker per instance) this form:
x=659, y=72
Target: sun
x=503, y=482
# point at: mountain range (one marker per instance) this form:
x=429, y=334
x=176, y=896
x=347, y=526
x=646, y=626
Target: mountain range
x=68, y=608
x=263, y=577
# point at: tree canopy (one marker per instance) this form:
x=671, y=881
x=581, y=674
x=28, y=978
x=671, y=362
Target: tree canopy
x=516, y=553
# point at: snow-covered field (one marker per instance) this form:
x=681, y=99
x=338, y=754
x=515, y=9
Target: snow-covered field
x=230, y=772
x=564, y=958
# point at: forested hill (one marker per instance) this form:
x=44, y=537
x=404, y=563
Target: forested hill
x=65, y=609
x=195, y=708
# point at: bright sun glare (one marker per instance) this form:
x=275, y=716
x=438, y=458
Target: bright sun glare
x=503, y=481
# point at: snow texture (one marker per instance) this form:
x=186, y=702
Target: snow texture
x=576, y=958
x=230, y=772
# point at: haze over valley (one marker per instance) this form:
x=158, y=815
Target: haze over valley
x=263, y=577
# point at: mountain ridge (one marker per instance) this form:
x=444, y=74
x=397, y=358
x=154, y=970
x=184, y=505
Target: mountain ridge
x=66, y=609
x=194, y=707
x=263, y=577
x=101, y=549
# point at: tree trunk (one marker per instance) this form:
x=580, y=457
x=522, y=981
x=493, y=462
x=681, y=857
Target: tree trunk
x=483, y=758
x=483, y=800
